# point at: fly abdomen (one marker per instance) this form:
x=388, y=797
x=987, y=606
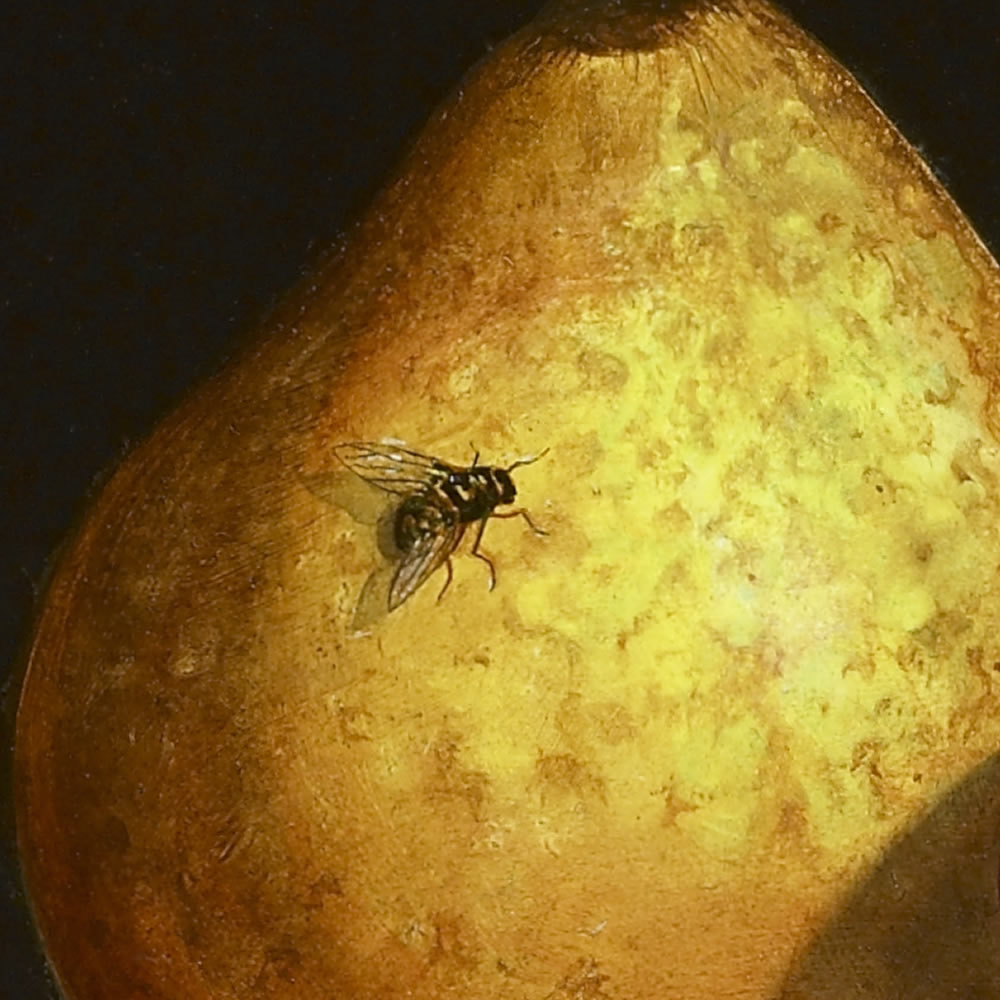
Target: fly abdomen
x=418, y=516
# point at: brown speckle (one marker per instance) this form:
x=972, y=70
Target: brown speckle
x=583, y=982
x=449, y=778
x=282, y=963
x=945, y=394
x=603, y=372
x=612, y=721
x=829, y=222
x=353, y=723
x=565, y=773
x=454, y=941
x=325, y=887
x=793, y=822
x=959, y=472
x=674, y=805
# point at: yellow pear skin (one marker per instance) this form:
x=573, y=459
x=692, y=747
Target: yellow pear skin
x=760, y=640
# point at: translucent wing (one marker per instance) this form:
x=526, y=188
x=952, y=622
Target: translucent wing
x=392, y=468
x=365, y=503
x=428, y=553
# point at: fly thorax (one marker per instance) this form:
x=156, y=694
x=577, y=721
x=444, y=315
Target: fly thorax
x=471, y=493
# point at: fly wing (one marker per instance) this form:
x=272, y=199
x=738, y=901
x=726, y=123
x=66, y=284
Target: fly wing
x=428, y=553
x=392, y=468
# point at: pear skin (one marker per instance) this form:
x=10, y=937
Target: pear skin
x=757, y=647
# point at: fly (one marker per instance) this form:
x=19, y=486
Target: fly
x=438, y=501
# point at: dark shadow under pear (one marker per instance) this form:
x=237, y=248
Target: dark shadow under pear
x=925, y=923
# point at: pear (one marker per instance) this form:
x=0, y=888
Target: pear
x=668, y=754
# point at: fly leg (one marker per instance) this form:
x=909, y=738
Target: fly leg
x=447, y=582
x=482, y=555
x=520, y=512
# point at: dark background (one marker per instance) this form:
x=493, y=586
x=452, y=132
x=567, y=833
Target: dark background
x=165, y=175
